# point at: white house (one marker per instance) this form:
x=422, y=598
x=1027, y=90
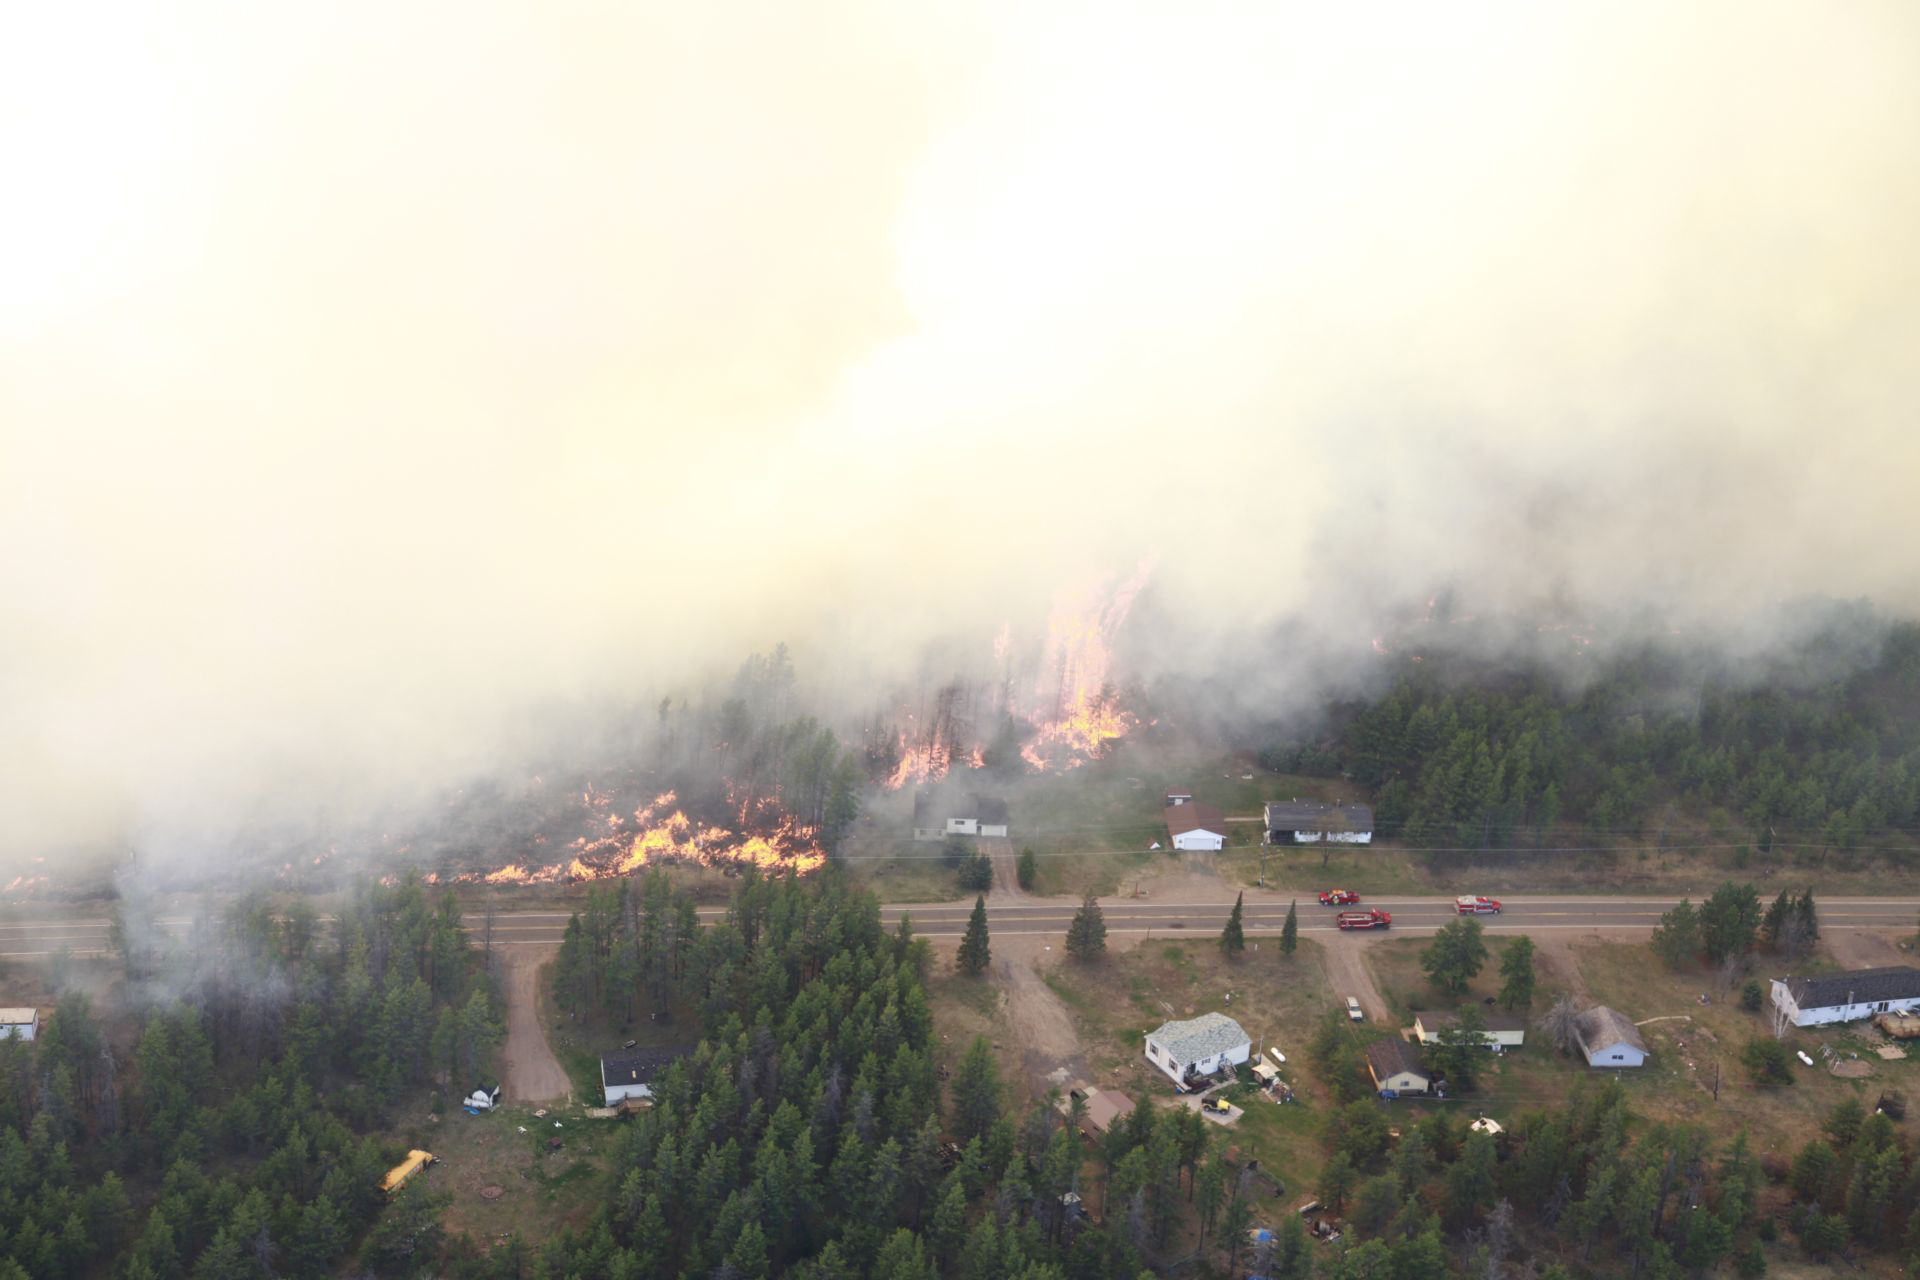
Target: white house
x=19, y=1024
x=1608, y=1038
x=629, y=1074
x=1311, y=821
x=1396, y=1068
x=1847, y=997
x=937, y=815
x=1198, y=1047
x=1196, y=827
x=1506, y=1030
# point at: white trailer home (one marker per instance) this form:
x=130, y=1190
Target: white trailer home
x=1311, y=821
x=1847, y=997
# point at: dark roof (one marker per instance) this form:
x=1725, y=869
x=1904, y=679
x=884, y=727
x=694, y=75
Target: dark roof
x=1191, y=817
x=634, y=1066
x=990, y=809
x=1317, y=815
x=1600, y=1026
x=1858, y=986
x=1495, y=1020
x=923, y=809
x=1393, y=1055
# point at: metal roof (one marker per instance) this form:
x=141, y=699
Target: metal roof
x=18, y=1017
x=1200, y=1037
x=1859, y=986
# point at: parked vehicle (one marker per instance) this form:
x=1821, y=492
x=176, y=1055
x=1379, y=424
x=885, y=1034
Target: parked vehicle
x=1354, y=1012
x=1219, y=1106
x=1338, y=897
x=1372, y=919
x=1475, y=906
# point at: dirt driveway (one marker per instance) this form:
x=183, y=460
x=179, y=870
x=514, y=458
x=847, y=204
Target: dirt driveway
x=1348, y=974
x=529, y=1071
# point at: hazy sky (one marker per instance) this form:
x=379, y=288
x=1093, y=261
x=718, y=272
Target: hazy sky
x=369, y=374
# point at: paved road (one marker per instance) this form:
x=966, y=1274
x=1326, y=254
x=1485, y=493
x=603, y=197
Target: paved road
x=84, y=935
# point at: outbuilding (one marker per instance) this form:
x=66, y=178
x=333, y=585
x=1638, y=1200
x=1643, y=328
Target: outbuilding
x=1396, y=1068
x=1504, y=1030
x=938, y=813
x=19, y=1024
x=1608, y=1038
x=484, y=1097
x=1196, y=828
x=1186, y=1051
x=1847, y=997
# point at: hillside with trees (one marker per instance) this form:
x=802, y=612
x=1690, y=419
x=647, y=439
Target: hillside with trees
x=1819, y=748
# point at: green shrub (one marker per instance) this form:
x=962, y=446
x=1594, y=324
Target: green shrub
x=1751, y=996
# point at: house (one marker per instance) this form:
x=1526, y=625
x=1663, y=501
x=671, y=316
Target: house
x=1310, y=821
x=1198, y=1047
x=1608, y=1038
x=19, y=1024
x=483, y=1098
x=1396, y=1068
x=1198, y=828
x=1178, y=795
x=938, y=814
x=1504, y=1030
x=629, y=1074
x=1847, y=997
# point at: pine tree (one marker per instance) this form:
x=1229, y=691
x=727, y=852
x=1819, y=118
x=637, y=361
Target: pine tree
x=1290, y=931
x=1516, y=967
x=1027, y=870
x=1087, y=935
x=974, y=949
x=1233, y=939
x=976, y=1091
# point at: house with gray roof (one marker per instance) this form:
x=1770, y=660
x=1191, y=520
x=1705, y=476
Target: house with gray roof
x=1608, y=1038
x=1198, y=1047
x=1311, y=821
x=1849, y=996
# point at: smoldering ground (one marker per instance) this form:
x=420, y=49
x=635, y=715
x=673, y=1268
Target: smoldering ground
x=373, y=388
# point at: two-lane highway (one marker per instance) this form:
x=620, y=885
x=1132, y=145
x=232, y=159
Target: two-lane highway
x=88, y=934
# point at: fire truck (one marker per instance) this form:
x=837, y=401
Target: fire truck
x=1474, y=906
x=1374, y=919
x=1338, y=897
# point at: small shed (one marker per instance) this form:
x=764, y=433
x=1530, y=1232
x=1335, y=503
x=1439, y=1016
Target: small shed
x=484, y=1097
x=1104, y=1108
x=1608, y=1038
x=19, y=1024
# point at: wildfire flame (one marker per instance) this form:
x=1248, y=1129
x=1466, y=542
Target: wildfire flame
x=662, y=832
x=1080, y=716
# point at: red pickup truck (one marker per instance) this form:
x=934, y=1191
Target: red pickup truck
x=1374, y=919
x=1338, y=897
